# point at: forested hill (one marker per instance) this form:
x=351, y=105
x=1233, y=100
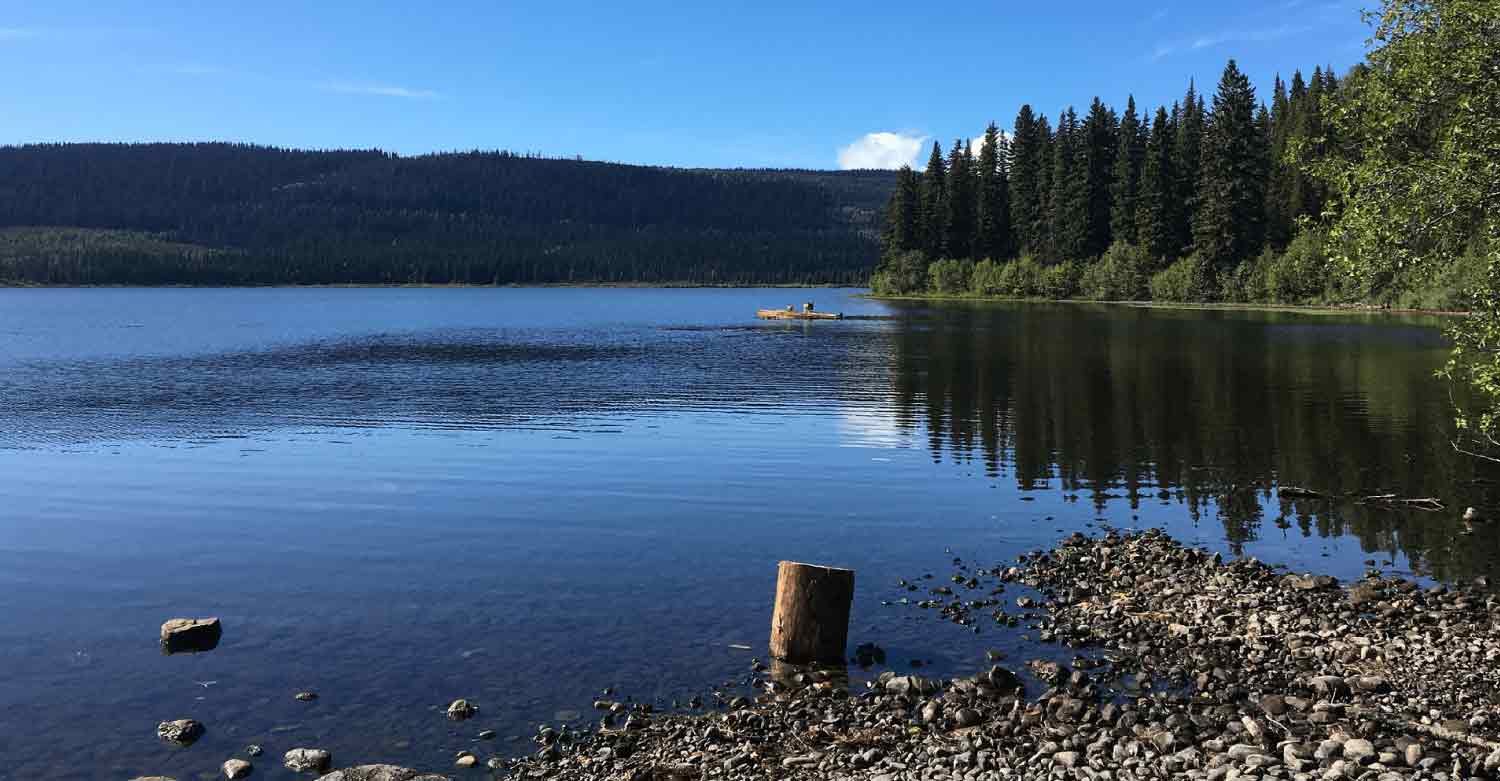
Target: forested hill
x=216, y=213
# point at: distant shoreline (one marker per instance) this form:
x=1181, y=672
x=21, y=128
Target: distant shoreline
x=1328, y=309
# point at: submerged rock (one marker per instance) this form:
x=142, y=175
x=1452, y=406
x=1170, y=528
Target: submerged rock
x=182, y=732
x=459, y=710
x=190, y=635
x=307, y=760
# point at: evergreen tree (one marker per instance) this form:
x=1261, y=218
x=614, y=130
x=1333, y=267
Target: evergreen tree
x=1156, y=200
x=1186, y=159
x=1068, y=204
x=1028, y=164
x=934, y=212
x=902, y=221
x=991, y=207
x=1048, y=143
x=1098, y=151
x=1229, y=224
x=1125, y=185
x=959, y=222
x=1279, y=180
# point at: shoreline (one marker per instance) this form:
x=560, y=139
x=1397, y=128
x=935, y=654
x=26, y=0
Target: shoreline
x=1146, y=658
x=1328, y=309
x=1185, y=665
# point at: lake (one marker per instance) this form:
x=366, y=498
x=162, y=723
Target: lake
x=398, y=497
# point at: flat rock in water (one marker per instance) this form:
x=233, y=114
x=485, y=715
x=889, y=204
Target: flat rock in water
x=190, y=635
x=237, y=768
x=303, y=760
x=183, y=732
x=381, y=773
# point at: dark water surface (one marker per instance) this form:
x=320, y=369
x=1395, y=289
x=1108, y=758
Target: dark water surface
x=396, y=497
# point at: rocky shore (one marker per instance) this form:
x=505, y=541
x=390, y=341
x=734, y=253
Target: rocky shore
x=1183, y=666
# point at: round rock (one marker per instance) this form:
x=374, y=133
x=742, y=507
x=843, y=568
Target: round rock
x=182, y=732
x=307, y=760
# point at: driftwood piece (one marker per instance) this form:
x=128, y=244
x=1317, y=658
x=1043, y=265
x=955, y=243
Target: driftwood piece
x=1392, y=500
x=810, y=622
x=1297, y=492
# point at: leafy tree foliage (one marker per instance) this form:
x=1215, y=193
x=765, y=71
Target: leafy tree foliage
x=1414, y=164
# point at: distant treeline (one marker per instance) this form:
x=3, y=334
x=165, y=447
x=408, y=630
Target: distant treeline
x=217, y=213
x=1200, y=201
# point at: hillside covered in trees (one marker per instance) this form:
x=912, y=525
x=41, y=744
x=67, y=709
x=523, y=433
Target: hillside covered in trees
x=241, y=214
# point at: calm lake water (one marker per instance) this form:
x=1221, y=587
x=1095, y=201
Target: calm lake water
x=397, y=497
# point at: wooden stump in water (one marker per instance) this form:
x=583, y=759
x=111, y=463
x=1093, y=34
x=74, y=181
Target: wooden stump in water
x=811, y=619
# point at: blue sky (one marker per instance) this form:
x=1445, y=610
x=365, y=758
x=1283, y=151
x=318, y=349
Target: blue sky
x=797, y=84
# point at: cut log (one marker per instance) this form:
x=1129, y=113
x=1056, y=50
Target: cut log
x=811, y=620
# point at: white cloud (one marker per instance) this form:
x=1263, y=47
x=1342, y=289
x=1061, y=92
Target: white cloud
x=383, y=90
x=882, y=150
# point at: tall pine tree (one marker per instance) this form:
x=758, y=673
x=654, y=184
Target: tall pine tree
x=1098, y=142
x=1187, y=156
x=959, y=235
x=1156, y=200
x=1130, y=152
x=1279, y=180
x=934, y=212
x=1229, y=224
x=1028, y=164
x=991, y=199
x=1068, y=203
x=902, y=215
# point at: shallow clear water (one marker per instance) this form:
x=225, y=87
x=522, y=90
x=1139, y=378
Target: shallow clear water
x=397, y=497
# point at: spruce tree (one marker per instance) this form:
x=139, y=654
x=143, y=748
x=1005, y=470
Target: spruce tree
x=959, y=222
x=1045, y=242
x=1068, y=204
x=934, y=212
x=1098, y=152
x=991, y=210
x=1187, y=157
x=1028, y=162
x=902, y=220
x=1157, y=197
x=1279, y=178
x=1229, y=224
x=1130, y=152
